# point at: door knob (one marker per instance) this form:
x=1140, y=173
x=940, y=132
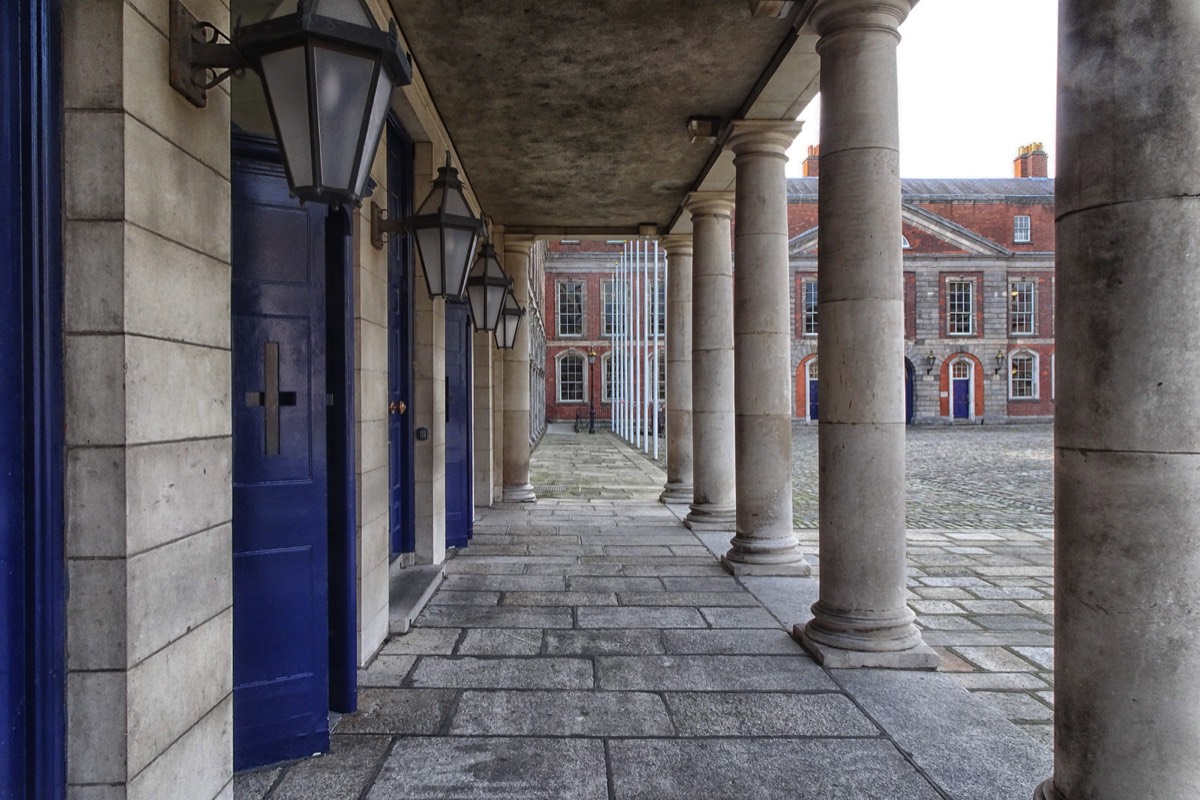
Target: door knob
x=397, y=407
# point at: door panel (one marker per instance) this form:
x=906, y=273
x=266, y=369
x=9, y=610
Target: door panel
x=280, y=474
x=962, y=393
x=402, y=518
x=460, y=506
x=908, y=393
x=813, y=405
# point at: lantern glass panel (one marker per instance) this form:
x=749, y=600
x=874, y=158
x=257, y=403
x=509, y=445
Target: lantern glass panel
x=495, y=302
x=460, y=251
x=343, y=89
x=379, y=108
x=429, y=245
x=284, y=8
x=286, y=81
x=457, y=204
x=433, y=201
x=346, y=11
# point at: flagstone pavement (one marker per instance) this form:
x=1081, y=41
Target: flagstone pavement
x=590, y=646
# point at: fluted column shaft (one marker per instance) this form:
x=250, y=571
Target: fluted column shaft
x=713, y=474
x=517, y=487
x=679, y=487
x=764, y=544
x=1127, y=426
x=861, y=618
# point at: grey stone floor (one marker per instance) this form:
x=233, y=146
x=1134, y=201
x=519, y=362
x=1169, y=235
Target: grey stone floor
x=591, y=646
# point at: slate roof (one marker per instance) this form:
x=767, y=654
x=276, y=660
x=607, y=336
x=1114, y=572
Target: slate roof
x=933, y=190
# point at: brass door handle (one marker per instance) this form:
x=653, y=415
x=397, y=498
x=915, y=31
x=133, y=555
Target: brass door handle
x=397, y=407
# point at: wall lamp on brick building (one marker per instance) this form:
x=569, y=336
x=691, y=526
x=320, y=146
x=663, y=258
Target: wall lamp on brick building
x=930, y=360
x=1001, y=357
x=325, y=65
x=486, y=289
x=510, y=320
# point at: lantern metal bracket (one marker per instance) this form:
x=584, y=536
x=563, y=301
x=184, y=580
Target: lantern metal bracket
x=201, y=55
x=382, y=224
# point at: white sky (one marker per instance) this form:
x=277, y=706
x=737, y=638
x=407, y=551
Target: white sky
x=977, y=81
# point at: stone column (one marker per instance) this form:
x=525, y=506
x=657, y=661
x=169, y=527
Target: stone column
x=764, y=544
x=516, y=379
x=861, y=618
x=679, y=370
x=1127, y=426
x=713, y=478
x=483, y=368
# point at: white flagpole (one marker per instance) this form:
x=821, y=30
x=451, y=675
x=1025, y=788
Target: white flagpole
x=657, y=353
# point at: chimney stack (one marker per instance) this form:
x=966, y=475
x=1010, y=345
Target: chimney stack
x=1031, y=162
x=812, y=164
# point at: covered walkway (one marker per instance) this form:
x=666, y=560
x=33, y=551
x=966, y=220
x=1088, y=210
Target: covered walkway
x=591, y=646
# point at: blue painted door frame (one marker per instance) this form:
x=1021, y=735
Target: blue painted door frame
x=32, y=580
x=813, y=396
x=460, y=505
x=401, y=482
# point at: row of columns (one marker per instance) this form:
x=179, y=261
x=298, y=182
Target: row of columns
x=740, y=370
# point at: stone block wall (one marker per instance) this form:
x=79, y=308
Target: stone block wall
x=147, y=380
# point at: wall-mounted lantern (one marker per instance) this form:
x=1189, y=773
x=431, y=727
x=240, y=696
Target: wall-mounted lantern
x=328, y=72
x=510, y=320
x=1001, y=357
x=486, y=289
x=930, y=360
x=445, y=230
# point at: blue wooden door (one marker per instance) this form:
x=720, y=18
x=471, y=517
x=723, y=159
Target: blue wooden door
x=813, y=406
x=402, y=488
x=908, y=392
x=280, y=479
x=460, y=507
x=962, y=399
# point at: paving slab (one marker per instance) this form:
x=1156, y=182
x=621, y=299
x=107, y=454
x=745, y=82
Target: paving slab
x=470, y=672
x=966, y=746
x=386, y=670
x=486, y=768
x=564, y=713
x=635, y=641
x=422, y=641
x=505, y=583
x=398, y=711
x=710, y=599
x=737, y=769
x=739, y=618
x=342, y=774
x=501, y=642
x=639, y=617
x=731, y=641
x=614, y=584
x=567, y=598
x=712, y=673
x=767, y=714
x=495, y=617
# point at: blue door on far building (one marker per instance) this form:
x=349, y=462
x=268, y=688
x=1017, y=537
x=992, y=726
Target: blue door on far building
x=402, y=517
x=813, y=405
x=908, y=392
x=460, y=507
x=280, y=473
x=960, y=384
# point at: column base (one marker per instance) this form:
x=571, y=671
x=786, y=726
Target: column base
x=677, y=494
x=921, y=657
x=707, y=517
x=519, y=494
x=797, y=569
x=1047, y=791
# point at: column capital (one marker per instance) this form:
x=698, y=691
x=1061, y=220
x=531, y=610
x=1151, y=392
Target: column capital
x=768, y=136
x=709, y=204
x=519, y=243
x=677, y=244
x=831, y=16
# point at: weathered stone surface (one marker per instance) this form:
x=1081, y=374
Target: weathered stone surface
x=685, y=769
x=495, y=617
x=342, y=774
x=386, y=670
x=493, y=769
x=767, y=714
x=732, y=641
x=712, y=673
x=944, y=727
x=645, y=617
x=559, y=599
x=501, y=642
x=638, y=641
x=422, y=641
x=398, y=711
x=503, y=673
x=739, y=618
x=716, y=599
x=508, y=713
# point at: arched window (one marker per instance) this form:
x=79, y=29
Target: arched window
x=961, y=370
x=570, y=378
x=1023, y=375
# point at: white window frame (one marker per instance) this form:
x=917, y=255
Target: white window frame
x=558, y=305
x=1034, y=386
x=610, y=309
x=1022, y=229
x=660, y=363
x=951, y=314
x=606, y=377
x=809, y=319
x=558, y=377
x=1029, y=316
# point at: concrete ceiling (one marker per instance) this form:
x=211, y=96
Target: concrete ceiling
x=570, y=116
